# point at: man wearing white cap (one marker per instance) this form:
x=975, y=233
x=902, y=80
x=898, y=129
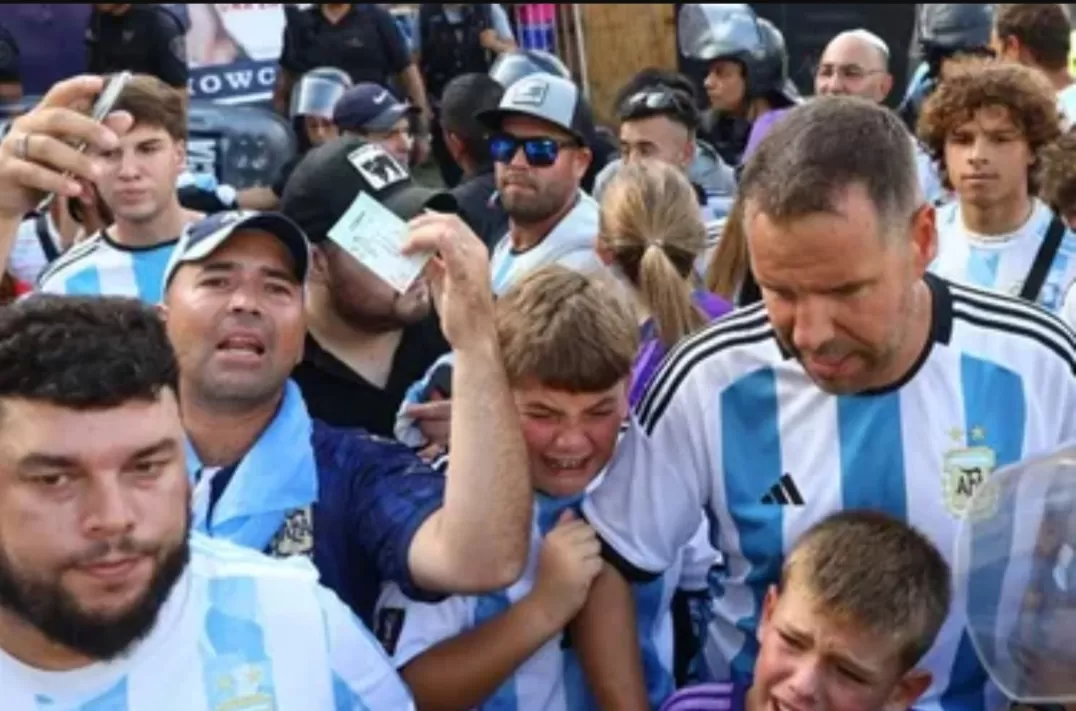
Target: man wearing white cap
x=539, y=149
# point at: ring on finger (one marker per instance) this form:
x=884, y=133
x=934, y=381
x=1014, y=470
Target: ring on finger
x=22, y=147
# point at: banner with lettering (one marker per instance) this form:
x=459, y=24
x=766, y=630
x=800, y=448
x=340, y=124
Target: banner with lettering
x=233, y=50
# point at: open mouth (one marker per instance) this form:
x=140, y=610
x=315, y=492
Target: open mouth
x=251, y=345
x=566, y=464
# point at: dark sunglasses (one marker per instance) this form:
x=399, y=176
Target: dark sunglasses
x=540, y=151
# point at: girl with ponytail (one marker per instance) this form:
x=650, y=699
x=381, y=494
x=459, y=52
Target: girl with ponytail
x=650, y=234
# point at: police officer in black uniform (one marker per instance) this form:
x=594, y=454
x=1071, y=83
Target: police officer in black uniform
x=10, y=78
x=144, y=39
x=732, y=32
x=361, y=39
x=452, y=40
x=945, y=31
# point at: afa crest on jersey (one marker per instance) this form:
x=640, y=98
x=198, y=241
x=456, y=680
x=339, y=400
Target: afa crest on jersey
x=965, y=472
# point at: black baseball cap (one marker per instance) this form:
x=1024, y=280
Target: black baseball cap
x=330, y=177
x=200, y=239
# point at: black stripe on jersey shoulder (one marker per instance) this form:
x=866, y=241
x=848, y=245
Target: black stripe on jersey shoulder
x=743, y=327
x=79, y=251
x=1015, y=316
x=742, y=319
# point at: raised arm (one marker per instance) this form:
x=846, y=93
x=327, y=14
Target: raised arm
x=480, y=537
x=35, y=154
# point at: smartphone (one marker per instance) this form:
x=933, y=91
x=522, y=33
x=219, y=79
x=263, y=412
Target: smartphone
x=102, y=107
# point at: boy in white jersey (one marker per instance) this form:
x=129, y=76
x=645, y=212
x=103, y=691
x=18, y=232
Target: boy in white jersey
x=138, y=185
x=860, y=601
x=569, y=342
x=106, y=599
x=985, y=127
x=860, y=382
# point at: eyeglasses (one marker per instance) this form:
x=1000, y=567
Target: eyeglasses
x=847, y=72
x=540, y=151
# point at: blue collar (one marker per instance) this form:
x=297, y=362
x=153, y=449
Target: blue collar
x=277, y=476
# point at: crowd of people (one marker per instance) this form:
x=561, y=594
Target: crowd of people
x=772, y=408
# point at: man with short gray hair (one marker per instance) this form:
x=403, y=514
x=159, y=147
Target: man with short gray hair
x=860, y=382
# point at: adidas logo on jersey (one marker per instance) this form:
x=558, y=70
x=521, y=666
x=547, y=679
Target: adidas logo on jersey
x=784, y=493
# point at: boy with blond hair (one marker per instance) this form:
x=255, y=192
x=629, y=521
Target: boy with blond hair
x=569, y=342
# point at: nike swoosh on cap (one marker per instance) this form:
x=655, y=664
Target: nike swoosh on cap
x=381, y=98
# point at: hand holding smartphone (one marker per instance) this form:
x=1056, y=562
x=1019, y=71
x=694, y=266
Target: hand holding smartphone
x=102, y=107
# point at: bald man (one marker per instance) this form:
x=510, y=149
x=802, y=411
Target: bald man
x=855, y=63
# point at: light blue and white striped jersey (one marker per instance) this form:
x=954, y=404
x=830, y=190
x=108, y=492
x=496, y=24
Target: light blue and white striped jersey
x=1002, y=262
x=732, y=429
x=239, y=631
x=100, y=266
x=551, y=679
x=571, y=243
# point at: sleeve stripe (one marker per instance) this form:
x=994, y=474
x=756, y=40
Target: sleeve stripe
x=629, y=571
x=1002, y=305
x=69, y=258
x=683, y=354
x=1039, y=326
x=1020, y=330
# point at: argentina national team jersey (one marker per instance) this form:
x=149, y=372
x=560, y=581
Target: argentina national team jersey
x=1003, y=263
x=239, y=631
x=732, y=427
x=100, y=266
x=552, y=678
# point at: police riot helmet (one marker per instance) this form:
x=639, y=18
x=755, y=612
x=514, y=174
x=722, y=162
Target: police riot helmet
x=955, y=27
x=708, y=32
x=318, y=91
x=1016, y=559
x=512, y=66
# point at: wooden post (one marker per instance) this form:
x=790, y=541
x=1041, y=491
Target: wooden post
x=621, y=40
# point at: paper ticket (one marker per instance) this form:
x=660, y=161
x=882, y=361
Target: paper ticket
x=373, y=234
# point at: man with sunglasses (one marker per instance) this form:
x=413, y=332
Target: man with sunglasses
x=538, y=146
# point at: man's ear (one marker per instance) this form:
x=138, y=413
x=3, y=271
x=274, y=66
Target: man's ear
x=688, y=156
x=910, y=687
x=455, y=144
x=162, y=311
x=581, y=162
x=319, y=264
x=181, y=155
x=924, y=239
x=887, y=86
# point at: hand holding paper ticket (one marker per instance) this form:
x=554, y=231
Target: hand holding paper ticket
x=374, y=235
x=459, y=273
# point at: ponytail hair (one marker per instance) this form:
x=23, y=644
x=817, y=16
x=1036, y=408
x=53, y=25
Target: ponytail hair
x=729, y=263
x=651, y=228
